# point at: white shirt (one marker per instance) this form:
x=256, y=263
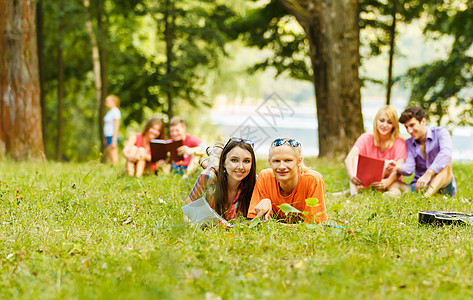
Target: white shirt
x=111, y=115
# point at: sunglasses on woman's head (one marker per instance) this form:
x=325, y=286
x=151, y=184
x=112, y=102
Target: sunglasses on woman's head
x=249, y=142
x=281, y=141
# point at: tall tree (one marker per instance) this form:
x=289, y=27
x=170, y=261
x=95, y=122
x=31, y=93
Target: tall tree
x=392, y=37
x=41, y=70
x=192, y=34
x=332, y=31
x=169, y=36
x=60, y=82
x=98, y=63
x=331, y=41
x=381, y=18
x=20, y=109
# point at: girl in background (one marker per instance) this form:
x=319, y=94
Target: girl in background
x=110, y=128
x=137, y=150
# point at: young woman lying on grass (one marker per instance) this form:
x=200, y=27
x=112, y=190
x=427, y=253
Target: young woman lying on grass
x=137, y=149
x=383, y=143
x=228, y=189
x=287, y=181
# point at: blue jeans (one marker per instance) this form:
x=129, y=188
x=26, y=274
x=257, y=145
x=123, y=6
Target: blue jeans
x=109, y=140
x=178, y=169
x=446, y=190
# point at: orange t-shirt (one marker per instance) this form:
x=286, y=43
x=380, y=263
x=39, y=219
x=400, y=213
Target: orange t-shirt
x=310, y=185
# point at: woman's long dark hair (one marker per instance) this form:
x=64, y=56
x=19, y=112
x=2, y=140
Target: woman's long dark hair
x=248, y=183
x=153, y=122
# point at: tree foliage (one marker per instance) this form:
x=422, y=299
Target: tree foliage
x=441, y=84
x=134, y=42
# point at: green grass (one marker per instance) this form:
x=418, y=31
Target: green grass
x=86, y=231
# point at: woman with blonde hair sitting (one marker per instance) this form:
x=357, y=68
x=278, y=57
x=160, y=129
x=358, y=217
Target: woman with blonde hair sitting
x=383, y=143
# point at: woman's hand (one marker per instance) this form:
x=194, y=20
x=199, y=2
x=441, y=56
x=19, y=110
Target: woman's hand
x=381, y=185
x=356, y=181
x=131, y=153
x=389, y=167
x=264, y=209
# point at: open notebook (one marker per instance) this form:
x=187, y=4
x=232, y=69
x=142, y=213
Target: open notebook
x=199, y=212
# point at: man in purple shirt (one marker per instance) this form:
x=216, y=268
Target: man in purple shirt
x=429, y=154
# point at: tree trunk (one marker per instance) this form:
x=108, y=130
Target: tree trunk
x=41, y=71
x=332, y=31
x=60, y=86
x=20, y=111
x=169, y=38
x=391, y=53
x=97, y=71
x=103, y=69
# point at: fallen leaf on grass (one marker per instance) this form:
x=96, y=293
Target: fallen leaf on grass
x=128, y=220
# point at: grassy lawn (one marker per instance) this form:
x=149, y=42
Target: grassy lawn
x=86, y=231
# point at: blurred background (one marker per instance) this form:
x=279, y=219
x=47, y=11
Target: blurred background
x=231, y=65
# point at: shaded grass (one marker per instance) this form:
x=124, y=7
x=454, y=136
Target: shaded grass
x=85, y=231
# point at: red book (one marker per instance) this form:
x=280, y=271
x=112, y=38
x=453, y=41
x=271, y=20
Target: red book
x=164, y=149
x=369, y=169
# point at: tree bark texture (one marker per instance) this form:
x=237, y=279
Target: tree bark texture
x=20, y=110
x=332, y=31
x=392, y=33
x=41, y=70
x=97, y=72
x=103, y=69
x=60, y=86
x=169, y=21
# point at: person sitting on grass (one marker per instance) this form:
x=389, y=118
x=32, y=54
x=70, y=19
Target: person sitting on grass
x=137, y=150
x=383, y=143
x=429, y=155
x=228, y=189
x=190, y=148
x=287, y=181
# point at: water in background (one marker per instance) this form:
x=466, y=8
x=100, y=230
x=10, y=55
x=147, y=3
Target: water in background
x=274, y=118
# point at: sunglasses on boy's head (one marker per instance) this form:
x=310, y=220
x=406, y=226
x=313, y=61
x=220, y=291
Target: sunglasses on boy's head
x=249, y=142
x=281, y=141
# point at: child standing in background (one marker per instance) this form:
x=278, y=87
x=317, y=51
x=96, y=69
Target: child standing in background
x=110, y=127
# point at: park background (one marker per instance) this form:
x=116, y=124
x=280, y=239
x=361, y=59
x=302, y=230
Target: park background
x=74, y=227
x=215, y=63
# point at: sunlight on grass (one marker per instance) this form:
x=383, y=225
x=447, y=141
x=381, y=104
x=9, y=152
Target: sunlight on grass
x=86, y=231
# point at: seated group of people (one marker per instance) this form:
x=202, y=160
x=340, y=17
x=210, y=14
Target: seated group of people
x=427, y=153
x=137, y=150
x=233, y=189
x=230, y=185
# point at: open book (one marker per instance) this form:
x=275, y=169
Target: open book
x=199, y=212
x=161, y=148
x=369, y=169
